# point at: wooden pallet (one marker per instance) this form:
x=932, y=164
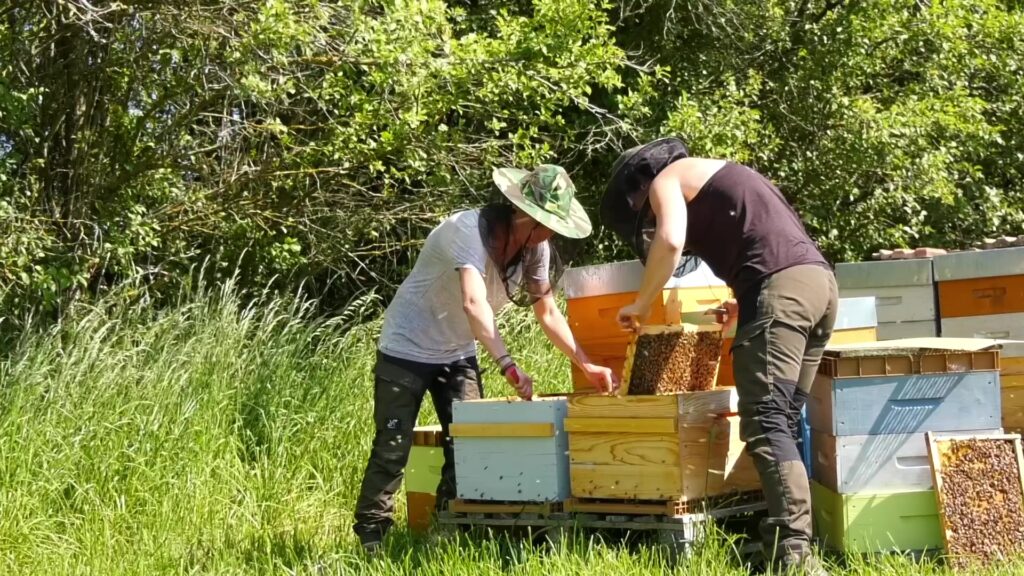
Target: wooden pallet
x=462, y=506
x=752, y=500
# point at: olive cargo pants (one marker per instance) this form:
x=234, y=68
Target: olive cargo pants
x=784, y=328
x=399, y=388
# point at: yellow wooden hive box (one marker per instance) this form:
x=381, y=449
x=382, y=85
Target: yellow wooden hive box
x=677, y=447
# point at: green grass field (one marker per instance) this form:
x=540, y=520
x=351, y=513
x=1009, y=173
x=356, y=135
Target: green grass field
x=216, y=439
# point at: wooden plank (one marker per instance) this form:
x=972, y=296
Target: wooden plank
x=1011, y=366
x=700, y=408
x=632, y=425
x=898, y=303
x=981, y=296
x=463, y=506
x=625, y=482
x=502, y=430
x=853, y=336
x=624, y=449
x=577, y=505
x=713, y=460
x=602, y=406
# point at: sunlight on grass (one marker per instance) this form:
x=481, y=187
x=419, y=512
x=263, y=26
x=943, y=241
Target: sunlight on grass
x=214, y=438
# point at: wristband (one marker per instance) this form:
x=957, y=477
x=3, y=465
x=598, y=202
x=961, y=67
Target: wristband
x=500, y=358
x=505, y=368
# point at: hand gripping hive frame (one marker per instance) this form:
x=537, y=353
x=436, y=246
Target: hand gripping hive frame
x=671, y=359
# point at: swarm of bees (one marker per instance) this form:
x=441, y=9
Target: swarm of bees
x=983, y=501
x=675, y=361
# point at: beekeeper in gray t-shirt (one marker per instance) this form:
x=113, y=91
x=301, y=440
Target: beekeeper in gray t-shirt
x=471, y=266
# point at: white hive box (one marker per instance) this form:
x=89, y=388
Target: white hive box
x=509, y=450
x=904, y=292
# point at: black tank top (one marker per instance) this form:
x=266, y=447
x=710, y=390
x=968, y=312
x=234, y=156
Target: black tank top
x=742, y=226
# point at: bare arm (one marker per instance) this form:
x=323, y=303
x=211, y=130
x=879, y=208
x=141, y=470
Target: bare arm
x=479, y=312
x=485, y=329
x=558, y=332
x=669, y=208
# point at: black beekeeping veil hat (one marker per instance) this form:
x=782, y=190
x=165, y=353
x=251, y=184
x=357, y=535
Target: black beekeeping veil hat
x=626, y=206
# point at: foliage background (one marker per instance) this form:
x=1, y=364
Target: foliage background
x=314, y=144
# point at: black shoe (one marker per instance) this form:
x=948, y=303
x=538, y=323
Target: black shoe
x=802, y=563
x=372, y=542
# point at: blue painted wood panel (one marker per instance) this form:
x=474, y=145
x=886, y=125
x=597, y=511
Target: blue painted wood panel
x=513, y=469
x=905, y=404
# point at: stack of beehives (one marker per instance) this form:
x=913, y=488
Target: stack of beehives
x=981, y=295
x=904, y=292
x=870, y=408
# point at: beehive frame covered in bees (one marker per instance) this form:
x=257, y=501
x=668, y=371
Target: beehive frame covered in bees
x=671, y=359
x=979, y=486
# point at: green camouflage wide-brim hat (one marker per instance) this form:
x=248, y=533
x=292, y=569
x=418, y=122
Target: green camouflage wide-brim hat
x=548, y=196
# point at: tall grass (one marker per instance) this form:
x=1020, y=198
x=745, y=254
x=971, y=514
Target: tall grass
x=216, y=438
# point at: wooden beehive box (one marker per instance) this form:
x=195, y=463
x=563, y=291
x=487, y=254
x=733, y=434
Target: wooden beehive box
x=876, y=521
x=422, y=475
x=904, y=292
x=669, y=359
x=906, y=387
x=874, y=463
x=677, y=447
x=510, y=450
x=594, y=295
x=980, y=283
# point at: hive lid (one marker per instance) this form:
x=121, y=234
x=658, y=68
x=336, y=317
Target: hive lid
x=885, y=273
x=914, y=346
x=981, y=264
x=619, y=277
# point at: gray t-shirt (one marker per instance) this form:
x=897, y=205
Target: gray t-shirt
x=425, y=321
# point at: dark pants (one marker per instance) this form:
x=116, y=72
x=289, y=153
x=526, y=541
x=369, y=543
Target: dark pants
x=782, y=334
x=399, y=387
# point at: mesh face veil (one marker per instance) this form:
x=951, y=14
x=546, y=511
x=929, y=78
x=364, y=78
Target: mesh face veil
x=522, y=269
x=626, y=207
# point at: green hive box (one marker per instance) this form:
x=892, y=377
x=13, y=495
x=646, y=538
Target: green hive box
x=872, y=522
x=423, y=471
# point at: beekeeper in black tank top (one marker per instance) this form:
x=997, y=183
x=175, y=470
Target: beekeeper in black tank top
x=673, y=209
